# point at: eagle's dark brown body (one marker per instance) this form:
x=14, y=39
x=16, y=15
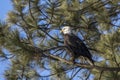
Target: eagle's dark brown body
x=76, y=47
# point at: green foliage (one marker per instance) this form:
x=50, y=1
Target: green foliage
x=31, y=35
x=58, y=70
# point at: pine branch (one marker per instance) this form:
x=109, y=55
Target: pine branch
x=100, y=68
x=85, y=65
x=31, y=11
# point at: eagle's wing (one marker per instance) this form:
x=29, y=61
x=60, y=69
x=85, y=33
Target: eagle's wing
x=79, y=45
x=75, y=41
x=78, y=48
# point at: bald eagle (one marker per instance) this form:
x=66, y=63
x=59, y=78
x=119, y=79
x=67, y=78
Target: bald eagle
x=75, y=45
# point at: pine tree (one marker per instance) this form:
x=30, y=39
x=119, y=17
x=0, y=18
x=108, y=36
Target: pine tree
x=31, y=35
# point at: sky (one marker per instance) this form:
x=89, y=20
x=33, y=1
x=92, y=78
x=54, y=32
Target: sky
x=5, y=7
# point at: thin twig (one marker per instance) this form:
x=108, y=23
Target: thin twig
x=75, y=74
x=101, y=75
x=88, y=76
x=50, y=35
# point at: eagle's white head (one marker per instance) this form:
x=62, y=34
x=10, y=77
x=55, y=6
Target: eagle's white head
x=66, y=30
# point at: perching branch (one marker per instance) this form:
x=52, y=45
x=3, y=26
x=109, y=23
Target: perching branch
x=85, y=65
x=100, y=68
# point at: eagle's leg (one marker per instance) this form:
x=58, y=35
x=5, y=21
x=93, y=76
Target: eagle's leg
x=82, y=59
